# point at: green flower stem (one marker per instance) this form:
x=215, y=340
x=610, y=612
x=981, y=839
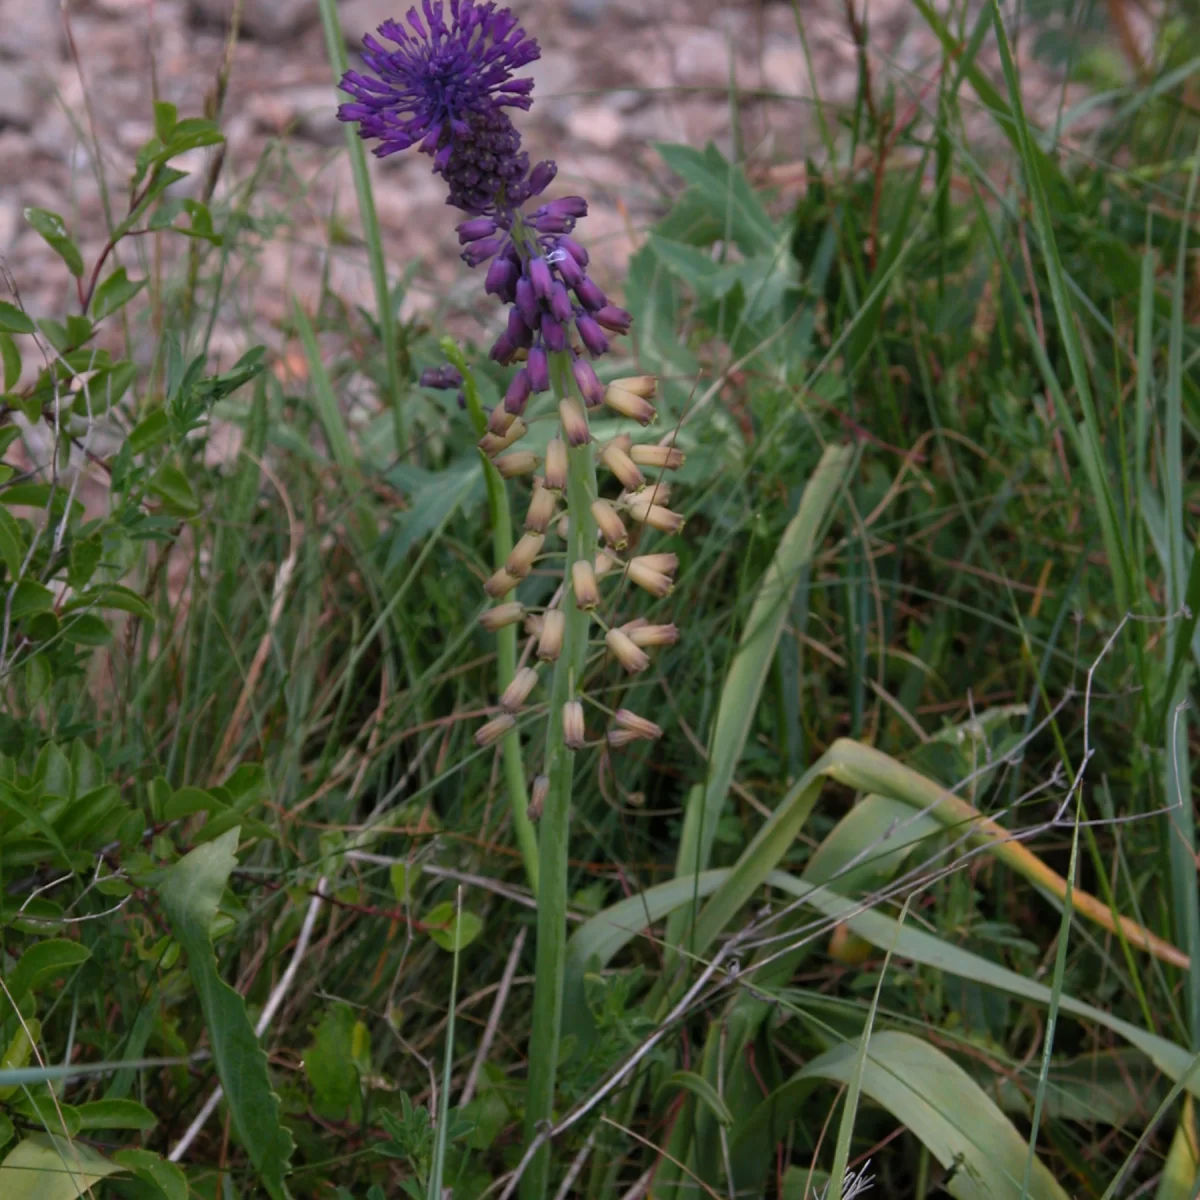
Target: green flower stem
x=506, y=638
x=335, y=46
x=556, y=819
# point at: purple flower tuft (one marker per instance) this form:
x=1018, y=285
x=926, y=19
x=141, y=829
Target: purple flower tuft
x=445, y=87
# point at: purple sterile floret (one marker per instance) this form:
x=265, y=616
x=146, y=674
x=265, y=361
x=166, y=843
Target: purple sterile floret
x=518, y=332
x=443, y=378
x=574, y=249
x=479, y=252
x=540, y=277
x=571, y=272
x=527, y=302
x=560, y=303
x=564, y=206
x=553, y=333
x=474, y=229
x=501, y=278
x=444, y=87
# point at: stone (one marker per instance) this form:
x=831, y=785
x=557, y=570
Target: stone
x=264, y=20
x=10, y=224
x=30, y=30
x=23, y=95
x=701, y=58
x=309, y=111
x=598, y=124
x=365, y=16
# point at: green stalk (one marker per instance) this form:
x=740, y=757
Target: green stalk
x=336, y=49
x=556, y=819
x=506, y=638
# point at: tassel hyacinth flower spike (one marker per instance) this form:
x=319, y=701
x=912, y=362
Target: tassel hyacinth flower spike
x=444, y=83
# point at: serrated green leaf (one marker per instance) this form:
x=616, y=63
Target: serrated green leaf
x=54, y=232
x=438, y=499
x=13, y=320
x=190, y=896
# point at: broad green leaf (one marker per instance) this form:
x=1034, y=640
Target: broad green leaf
x=155, y=1171
x=329, y=1064
x=171, y=485
x=10, y=367
x=13, y=320
x=190, y=896
x=149, y=432
x=54, y=232
x=443, y=924
x=29, y=596
x=12, y=544
x=45, y=1111
x=19, y=1051
x=42, y=962
x=1180, y=1171
x=6, y=1131
x=931, y=1095
x=188, y=800
x=115, y=1114
x=433, y=502
x=114, y=293
x=85, y=558
x=112, y=595
x=704, y=1091
x=86, y=629
x=12, y=800
x=51, y=1168
x=756, y=651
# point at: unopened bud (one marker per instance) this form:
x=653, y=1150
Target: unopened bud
x=622, y=466
x=563, y=528
x=500, y=584
x=642, y=509
x=574, y=733
x=628, y=404
x=645, y=386
x=537, y=797
x=626, y=651
x=492, y=444
x=583, y=583
x=642, y=634
x=574, y=422
x=517, y=692
x=668, y=564
x=665, y=457
x=541, y=508
x=519, y=462
x=637, y=725
x=501, y=615
x=556, y=464
x=620, y=737
x=520, y=561
x=550, y=641
x=655, y=582
x=611, y=527
x=495, y=729
x=499, y=420
x=604, y=563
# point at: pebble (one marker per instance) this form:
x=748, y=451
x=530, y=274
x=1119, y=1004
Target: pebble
x=266, y=20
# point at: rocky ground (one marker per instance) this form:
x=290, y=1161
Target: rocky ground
x=615, y=77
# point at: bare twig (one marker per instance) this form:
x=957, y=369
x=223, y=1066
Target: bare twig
x=493, y=1023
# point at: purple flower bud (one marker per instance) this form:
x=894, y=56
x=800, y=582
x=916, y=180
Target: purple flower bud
x=432, y=377
x=538, y=367
x=574, y=249
x=548, y=223
x=560, y=303
x=517, y=395
x=500, y=277
x=553, y=333
x=566, y=206
x=541, y=177
x=592, y=335
x=517, y=329
x=590, y=388
x=479, y=252
x=527, y=302
x=569, y=270
x=539, y=276
x=473, y=230
x=615, y=319
x=503, y=349
x=590, y=295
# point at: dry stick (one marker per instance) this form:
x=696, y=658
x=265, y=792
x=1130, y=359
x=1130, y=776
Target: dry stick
x=493, y=1024
x=283, y=578
x=268, y=1014
x=576, y=1168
